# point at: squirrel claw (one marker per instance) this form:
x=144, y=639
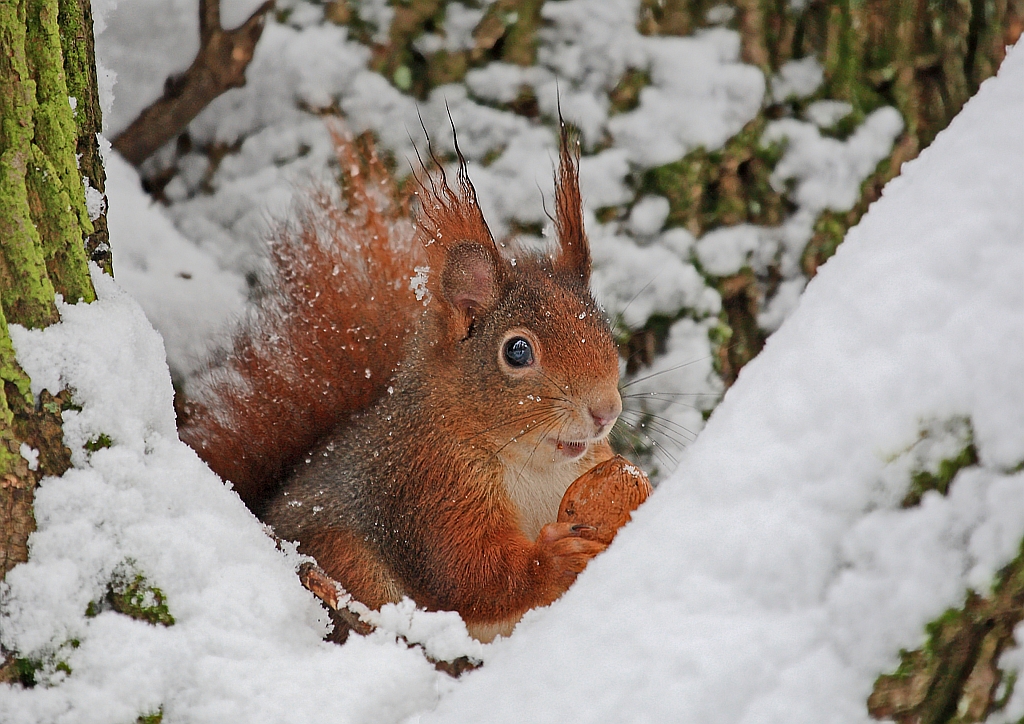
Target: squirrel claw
x=567, y=548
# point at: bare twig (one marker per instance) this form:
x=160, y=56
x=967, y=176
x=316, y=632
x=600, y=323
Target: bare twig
x=330, y=592
x=345, y=618
x=219, y=66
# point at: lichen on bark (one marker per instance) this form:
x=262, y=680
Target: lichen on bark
x=43, y=222
x=55, y=190
x=76, y=36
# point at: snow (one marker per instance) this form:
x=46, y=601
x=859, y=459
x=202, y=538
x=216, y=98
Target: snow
x=825, y=114
x=183, y=291
x=700, y=95
x=30, y=455
x=772, y=576
x=828, y=172
x=648, y=215
x=797, y=79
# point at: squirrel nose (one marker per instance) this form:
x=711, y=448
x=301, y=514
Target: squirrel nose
x=605, y=412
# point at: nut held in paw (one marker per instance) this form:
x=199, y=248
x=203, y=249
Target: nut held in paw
x=604, y=497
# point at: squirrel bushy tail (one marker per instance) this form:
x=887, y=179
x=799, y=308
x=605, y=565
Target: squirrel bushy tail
x=323, y=340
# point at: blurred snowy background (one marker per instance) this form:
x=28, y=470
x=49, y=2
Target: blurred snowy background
x=715, y=180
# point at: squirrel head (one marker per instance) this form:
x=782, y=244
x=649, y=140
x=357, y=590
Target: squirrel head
x=519, y=345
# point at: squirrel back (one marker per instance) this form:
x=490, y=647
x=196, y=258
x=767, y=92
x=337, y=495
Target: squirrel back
x=324, y=338
x=437, y=472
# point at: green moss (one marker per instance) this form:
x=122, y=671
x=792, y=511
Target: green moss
x=52, y=405
x=402, y=78
x=447, y=67
x=829, y=231
x=54, y=181
x=26, y=670
x=155, y=718
x=843, y=128
x=33, y=671
x=607, y=214
x=25, y=290
x=11, y=372
x=132, y=595
x=625, y=96
x=98, y=443
x=923, y=480
x=709, y=189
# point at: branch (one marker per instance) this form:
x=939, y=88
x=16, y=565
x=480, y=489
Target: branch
x=219, y=66
x=345, y=618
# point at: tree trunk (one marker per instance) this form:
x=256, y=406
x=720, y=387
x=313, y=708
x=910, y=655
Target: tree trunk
x=45, y=227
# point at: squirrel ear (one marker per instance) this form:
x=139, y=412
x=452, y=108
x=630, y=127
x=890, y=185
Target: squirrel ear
x=469, y=280
x=573, y=259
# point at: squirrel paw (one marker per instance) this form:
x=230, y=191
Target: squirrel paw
x=568, y=549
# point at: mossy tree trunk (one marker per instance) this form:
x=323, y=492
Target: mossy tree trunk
x=49, y=113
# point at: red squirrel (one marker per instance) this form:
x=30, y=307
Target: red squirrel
x=411, y=403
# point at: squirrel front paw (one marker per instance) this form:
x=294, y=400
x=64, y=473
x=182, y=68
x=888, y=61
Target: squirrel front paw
x=568, y=550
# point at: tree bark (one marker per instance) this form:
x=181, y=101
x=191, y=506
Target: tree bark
x=79, y=49
x=44, y=228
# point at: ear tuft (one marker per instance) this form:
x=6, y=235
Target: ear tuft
x=573, y=260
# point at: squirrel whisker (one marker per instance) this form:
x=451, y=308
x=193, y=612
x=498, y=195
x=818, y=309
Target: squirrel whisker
x=670, y=424
x=662, y=372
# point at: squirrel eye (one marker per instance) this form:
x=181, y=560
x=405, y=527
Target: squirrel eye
x=518, y=352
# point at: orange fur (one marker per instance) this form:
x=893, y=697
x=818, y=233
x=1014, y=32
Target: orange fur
x=325, y=343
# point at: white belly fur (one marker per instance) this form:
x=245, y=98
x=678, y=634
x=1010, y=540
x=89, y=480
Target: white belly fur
x=537, y=490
